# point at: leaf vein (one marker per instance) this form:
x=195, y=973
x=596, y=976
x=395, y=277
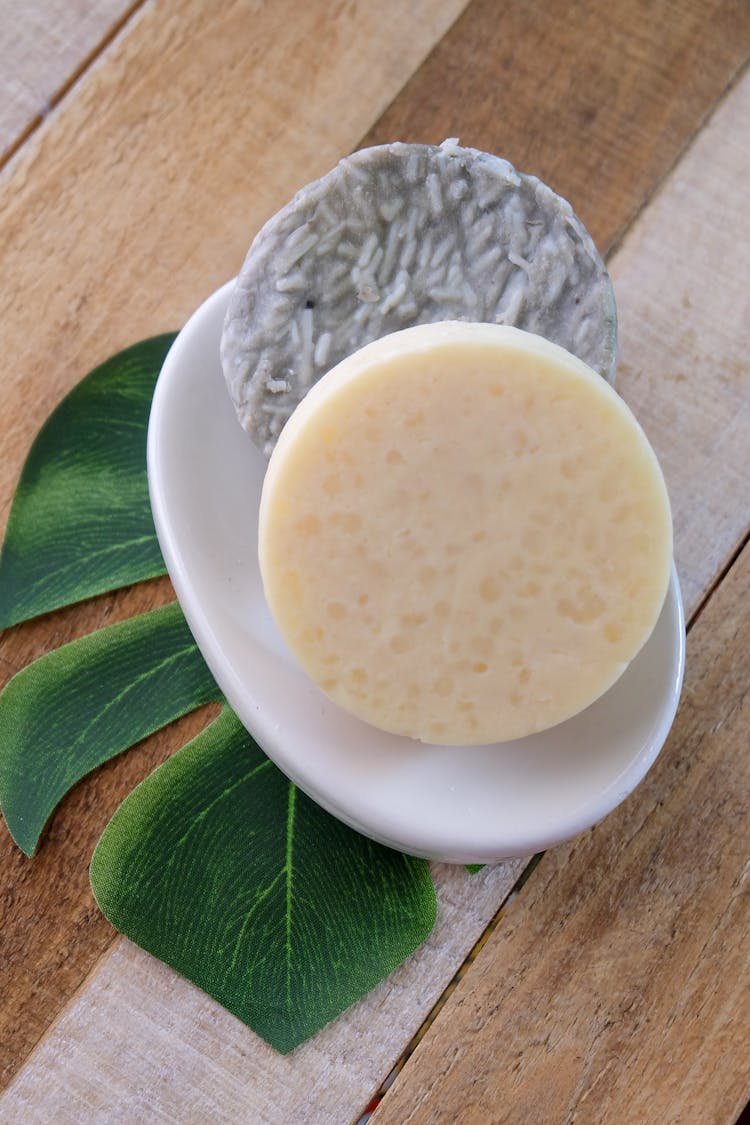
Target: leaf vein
x=45, y=580
x=171, y=659
x=212, y=804
x=248, y=916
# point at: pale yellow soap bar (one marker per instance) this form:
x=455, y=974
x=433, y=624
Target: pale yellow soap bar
x=465, y=536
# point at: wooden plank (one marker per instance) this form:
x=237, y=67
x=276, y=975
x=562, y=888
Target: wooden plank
x=582, y=94
x=126, y=293
x=682, y=280
x=159, y=1015
x=127, y=207
x=44, y=46
x=139, y=1043
x=144, y=194
x=617, y=986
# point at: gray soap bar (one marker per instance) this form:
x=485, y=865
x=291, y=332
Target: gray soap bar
x=407, y=234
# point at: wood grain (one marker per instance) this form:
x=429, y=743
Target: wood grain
x=130, y=204
x=143, y=193
x=596, y=99
x=617, y=988
x=185, y=138
x=139, y=1043
x=619, y=979
x=682, y=279
x=44, y=46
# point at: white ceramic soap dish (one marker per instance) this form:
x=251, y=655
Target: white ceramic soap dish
x=475, y=804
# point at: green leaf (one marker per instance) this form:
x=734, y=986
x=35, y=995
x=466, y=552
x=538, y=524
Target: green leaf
x=81, y=520
x=220, y=867
x=80, y=705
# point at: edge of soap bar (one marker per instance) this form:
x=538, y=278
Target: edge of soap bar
x=420, y=339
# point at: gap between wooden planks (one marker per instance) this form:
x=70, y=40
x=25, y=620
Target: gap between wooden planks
x=617, y=987
x=428, y=89
x=45, y=45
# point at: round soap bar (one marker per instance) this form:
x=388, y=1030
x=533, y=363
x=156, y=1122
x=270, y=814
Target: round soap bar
x=465, y=536
x=397, y=235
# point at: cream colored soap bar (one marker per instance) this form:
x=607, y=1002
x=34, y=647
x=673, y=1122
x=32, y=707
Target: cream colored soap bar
x=465, y=536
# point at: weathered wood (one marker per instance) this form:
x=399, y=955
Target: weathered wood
x=140, y=1043
x=44, y=47
x=617, y=987
x=126, y=208
x=682, y=280
x=582, y=94
x=135, y=163
x=143, y=194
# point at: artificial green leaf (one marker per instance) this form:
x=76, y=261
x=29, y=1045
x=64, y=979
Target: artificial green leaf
x=78, y=706
x=220, y=867
x=81, y=521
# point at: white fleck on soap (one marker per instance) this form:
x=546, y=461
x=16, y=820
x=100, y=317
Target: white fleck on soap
x=465, y=536
x=397, y=235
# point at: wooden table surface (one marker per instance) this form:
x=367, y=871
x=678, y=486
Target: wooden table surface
x=143, y=145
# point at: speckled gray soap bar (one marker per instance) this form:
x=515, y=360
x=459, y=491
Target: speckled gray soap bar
x=399, y=235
